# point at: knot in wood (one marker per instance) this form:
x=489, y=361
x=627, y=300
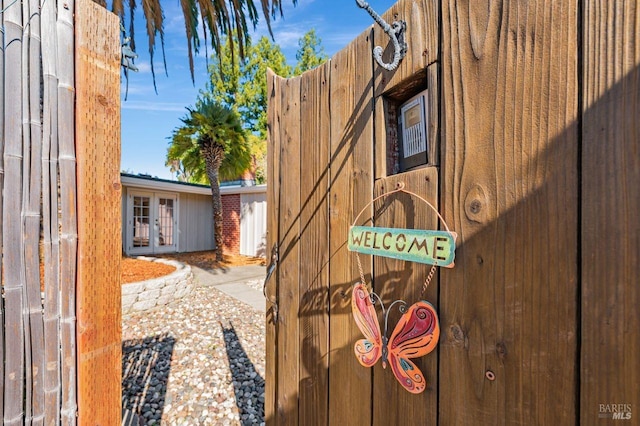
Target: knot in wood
x=456, y=335
x=475, y=204
x=501, y=350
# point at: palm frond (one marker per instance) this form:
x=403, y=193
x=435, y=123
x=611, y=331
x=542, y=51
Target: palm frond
x=218, y=18
x=189, y=10
x=155, y=20
x=210, y=123
x=132, y=34
x=117, y=7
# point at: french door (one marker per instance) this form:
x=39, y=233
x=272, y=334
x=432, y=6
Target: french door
x=152, y=222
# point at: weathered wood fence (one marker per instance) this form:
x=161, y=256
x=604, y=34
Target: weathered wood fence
x=535, y=164
x=60, y=355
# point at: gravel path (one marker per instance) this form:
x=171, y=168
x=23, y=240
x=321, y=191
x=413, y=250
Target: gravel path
x=199, y=361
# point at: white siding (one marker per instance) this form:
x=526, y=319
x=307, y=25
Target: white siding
x=195, y=223
x=195, y=214
x=125, y=207
x=253, y=224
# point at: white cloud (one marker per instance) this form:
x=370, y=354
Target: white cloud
x=144, y=67
x=153, y=106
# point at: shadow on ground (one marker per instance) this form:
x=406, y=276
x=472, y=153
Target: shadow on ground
x=145, y=371
x=247, y=383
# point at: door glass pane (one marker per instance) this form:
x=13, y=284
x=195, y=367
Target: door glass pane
x=141, y=221
x=165, y=221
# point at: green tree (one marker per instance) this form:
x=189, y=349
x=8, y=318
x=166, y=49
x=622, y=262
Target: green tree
x=252, y=94
x=243, y=86
x=224, y=76
x=310, y=52
x=217, y=18
x=259, y=158
x=211, y=142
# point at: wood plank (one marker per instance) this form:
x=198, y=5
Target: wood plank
x=400, y=280
x=314, y=246
x=350, y=190
x=510, y=185
x=99, y=214
x=417, y=71
x=289, y=269
x=422, y=39
x=433, y=132
x=273, y=216
x=610, y=342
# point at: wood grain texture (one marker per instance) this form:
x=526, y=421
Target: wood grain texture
x=510, y=185
x=288, y=327
x=610, y=342
x=313, y=311
x=422, y=38
x=351, y=189
x=99, y=325
x=412, y=76
x=273, y=216
x=400, y=280
x=433, y=114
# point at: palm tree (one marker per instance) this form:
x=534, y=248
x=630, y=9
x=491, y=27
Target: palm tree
x=217, y=17
x=212, y=143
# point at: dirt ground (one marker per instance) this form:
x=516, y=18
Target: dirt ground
x=134, y=270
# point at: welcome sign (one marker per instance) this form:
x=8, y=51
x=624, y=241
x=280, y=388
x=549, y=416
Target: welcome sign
x=414, y=245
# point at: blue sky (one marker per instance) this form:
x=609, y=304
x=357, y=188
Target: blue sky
x=148, y=119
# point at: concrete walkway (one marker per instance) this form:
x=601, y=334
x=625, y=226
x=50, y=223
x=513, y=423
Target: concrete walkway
x=232, y=281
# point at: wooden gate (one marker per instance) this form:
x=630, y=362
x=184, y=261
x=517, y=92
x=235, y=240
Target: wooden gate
x=534, y=162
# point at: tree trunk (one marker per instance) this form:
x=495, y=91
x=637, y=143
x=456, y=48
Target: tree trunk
x=213, y=161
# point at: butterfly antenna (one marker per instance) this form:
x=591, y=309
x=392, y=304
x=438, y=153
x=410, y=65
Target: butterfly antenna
x=403, y=306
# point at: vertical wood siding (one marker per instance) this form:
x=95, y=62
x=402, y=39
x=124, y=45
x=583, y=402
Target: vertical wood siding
x=535, y=143
x=195, y=223
x=610, y=229
x=510, y=189
x=253, y=224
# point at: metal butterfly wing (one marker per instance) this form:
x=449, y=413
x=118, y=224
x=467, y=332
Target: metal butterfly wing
x=367, y=350
x=415, y=335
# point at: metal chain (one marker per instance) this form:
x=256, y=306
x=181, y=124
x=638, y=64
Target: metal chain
x=427, y=280
x=364, y=282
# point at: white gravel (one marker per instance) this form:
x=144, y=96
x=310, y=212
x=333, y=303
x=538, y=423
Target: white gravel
x=198, y=361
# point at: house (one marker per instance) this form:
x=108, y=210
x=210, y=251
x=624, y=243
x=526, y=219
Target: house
x=164, y=216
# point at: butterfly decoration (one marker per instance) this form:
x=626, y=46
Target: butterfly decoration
x=415, y=335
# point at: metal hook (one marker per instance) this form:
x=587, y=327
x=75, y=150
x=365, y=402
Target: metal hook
x=395, y=31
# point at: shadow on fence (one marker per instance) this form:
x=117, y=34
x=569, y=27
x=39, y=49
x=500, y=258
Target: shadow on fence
x=145, y=371
x=247, y=383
